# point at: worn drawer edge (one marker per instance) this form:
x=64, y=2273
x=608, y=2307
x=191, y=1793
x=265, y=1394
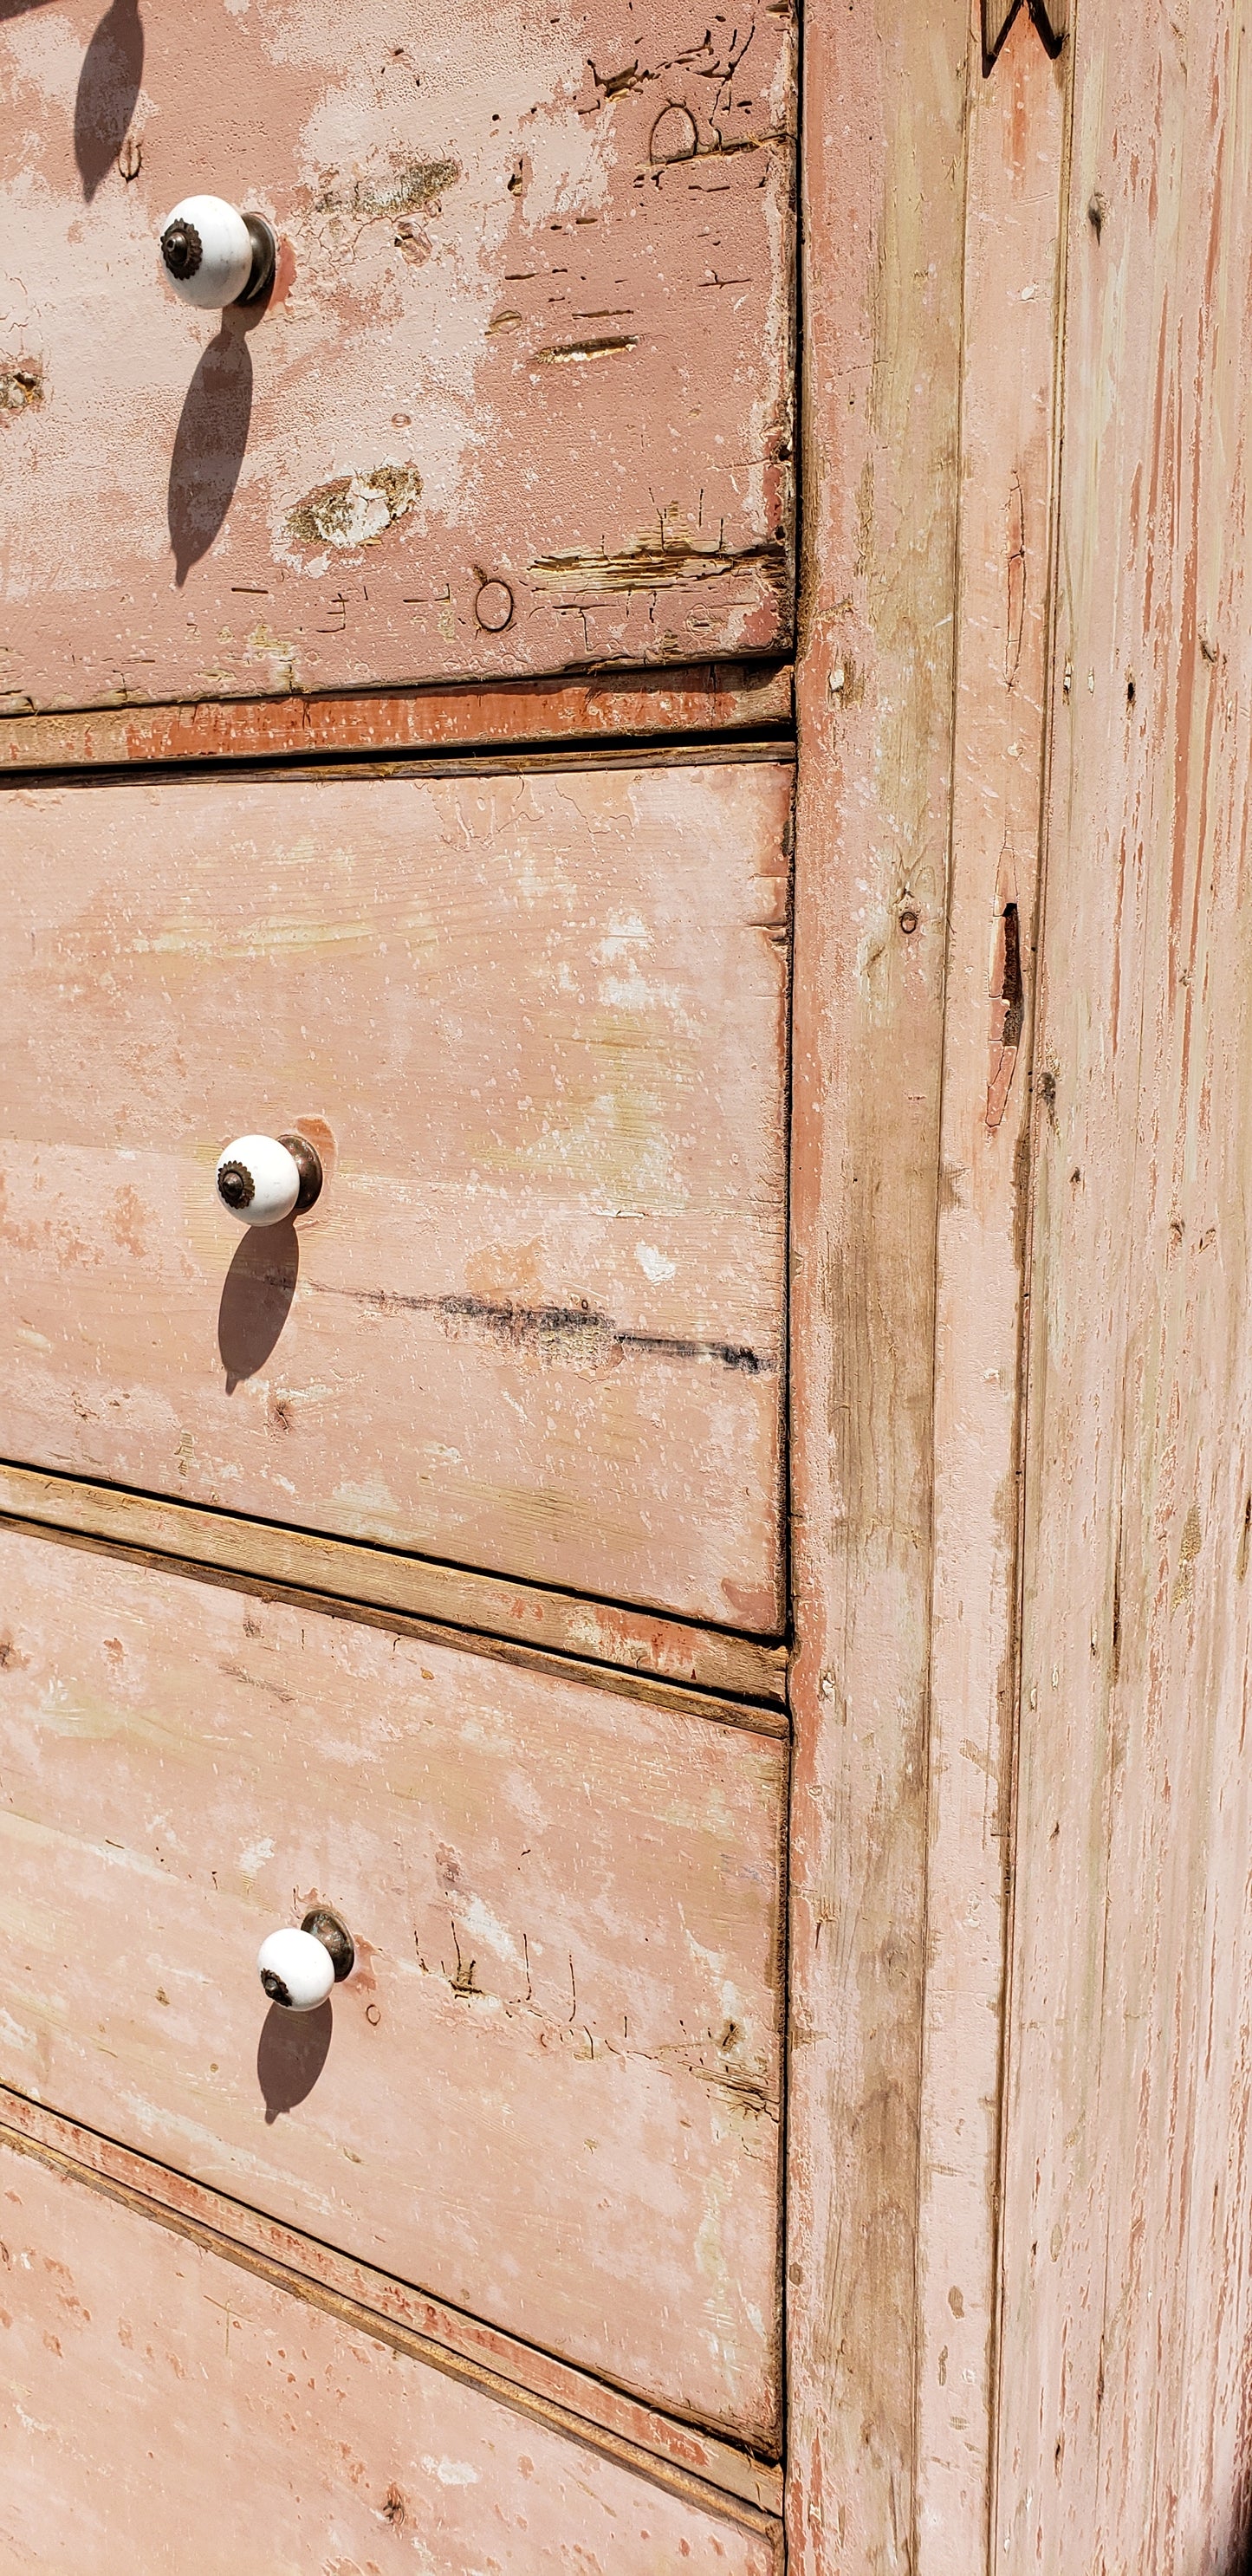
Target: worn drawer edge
x=708, y=2470
x=595, y=707
x=480, y=1606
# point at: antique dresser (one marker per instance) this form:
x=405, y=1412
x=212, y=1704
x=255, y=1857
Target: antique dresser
x=623, y=1388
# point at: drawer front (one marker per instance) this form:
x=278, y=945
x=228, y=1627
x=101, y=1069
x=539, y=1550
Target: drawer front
x=534, y=1322
x=547, y=2094
x=164, y=2410
x=521, y=395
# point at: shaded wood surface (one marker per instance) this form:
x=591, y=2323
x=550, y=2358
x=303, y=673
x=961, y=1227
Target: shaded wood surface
x=727, y=697
x=883, y=175
x=1124, y=2439
x=548, y=2093
x=538, y=1023
x=462, y=2346
x=301, y=2437
x=520, y=401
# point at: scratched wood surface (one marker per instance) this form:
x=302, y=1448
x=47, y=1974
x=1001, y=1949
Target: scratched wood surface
x=549, y=2091
x=162, y=2409
x=1014, y=200
x=884, y=157
x=1125, y=2433
x=534, y=1322
x=521, y=396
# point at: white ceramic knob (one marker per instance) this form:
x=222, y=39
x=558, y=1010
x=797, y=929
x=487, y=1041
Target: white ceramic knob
x=262, y=1179
x=298, y=1969
x=215, y=256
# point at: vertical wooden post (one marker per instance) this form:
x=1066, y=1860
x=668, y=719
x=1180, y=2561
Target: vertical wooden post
x=1013, y=231
x=1126, y=2432
x=884, y=157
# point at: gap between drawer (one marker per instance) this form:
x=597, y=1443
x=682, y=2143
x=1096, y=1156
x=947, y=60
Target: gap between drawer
x=704, y=2467
x=649, y=1656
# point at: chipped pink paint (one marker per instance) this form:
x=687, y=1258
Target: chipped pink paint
x=294, y=2438
x=534, y=1322
x=521, y=397
x=549, y=2091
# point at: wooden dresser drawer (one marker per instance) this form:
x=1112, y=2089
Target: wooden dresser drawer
x=164, y=2410
x=520, y=398
x=534, y=1322
x=549, y=2091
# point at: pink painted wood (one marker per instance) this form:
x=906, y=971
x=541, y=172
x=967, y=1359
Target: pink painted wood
x=886, y=126
x=163, y=2409
x=1125, y=2437
x=521, y=397
x=534, y=1323
x=549, y=2092
x=1016, y=154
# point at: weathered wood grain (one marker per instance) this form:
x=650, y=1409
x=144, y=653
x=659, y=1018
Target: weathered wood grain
x=1125, y=2433
x=521, y=399
x=534, y=1323
x=548, y=2094
x=718, y=698
x=300, y=2434
x=656, y=1652
x=527, y=2378
x=883, y=176
x=1013, y=225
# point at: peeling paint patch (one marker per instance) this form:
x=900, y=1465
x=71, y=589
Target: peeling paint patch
x=655, y=563
x=419, y=184
x=573, y=353
x=355, y=509
x=21, y=384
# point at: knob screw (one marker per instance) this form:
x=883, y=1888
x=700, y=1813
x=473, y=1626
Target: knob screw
x=236, y=1185
x=181, y=249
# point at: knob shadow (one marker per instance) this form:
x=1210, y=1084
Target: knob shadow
x=256, y=1299
x=211, y=440
x=291, y=2052
x=108, y=86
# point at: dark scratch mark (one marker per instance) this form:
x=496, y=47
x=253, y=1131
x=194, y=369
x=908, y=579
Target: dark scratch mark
x=1016, y=580
x=463, y=1981
x=255, y=1681
x=1012, y=993
x=552, y=1333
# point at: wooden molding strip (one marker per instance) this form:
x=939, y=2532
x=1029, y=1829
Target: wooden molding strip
x=716, y=698
x=641, y=1643
x=705, y=2468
